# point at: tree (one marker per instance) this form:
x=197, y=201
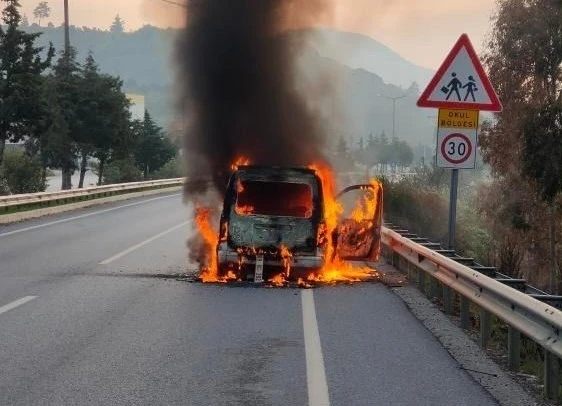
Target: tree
x=22, y=173
x=523, y=146
x=404, y=154
x=104, y=117
x=65, y=126
x=121, y=171
x=382, y=151
x=342, y=149
x=414, y=89
x=153, y=149
x=118, y=25
x=88, y=113
x=361, y=144
x=20, y=77
x=42, y=11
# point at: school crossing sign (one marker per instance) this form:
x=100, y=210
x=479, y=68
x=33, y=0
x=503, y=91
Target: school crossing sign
x=461, y=82
x=459, y=89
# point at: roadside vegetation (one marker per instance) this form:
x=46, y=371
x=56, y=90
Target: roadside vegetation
x=509, y=210
x=63, y=113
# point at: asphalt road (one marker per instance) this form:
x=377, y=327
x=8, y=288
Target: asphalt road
x=86, y=318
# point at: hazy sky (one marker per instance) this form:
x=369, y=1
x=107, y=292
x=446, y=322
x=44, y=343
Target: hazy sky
x=422, y=31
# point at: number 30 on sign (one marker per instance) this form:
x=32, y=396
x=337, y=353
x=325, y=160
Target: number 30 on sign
x=456, y=148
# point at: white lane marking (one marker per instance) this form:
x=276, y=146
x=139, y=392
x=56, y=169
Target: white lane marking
x=16, y=303
x=315, y=373
x=136, y=247
x=52, y=223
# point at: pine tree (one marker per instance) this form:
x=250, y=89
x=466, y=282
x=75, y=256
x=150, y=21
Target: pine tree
x=42, y=11
x=153, y=149
x=104, y=117
x=67, y=87
x=20, y=77
x=118, y=25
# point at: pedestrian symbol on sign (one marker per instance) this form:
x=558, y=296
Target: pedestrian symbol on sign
x=470, y=88
x=453, y=86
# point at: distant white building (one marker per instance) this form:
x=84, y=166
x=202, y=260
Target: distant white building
x=137, y=106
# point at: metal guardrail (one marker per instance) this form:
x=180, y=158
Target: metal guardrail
x=501, y=296
x=66, y=195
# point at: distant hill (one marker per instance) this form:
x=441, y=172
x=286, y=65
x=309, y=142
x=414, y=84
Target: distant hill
x=143, y=59
x=362, y=52
x=361, y=70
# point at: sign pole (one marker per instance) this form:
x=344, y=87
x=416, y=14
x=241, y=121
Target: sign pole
x=453, y=207
x=460, y=90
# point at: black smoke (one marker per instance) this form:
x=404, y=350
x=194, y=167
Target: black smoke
x=236, y=79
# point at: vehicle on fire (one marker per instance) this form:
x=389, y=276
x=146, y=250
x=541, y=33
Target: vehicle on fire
x=273, y=217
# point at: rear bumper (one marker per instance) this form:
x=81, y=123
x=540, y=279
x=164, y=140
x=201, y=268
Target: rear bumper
x=227, y=256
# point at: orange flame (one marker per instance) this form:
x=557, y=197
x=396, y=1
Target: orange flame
x=368, y=205
x=244, y=210
x=332, y=208
x=203, y=222
x=281, y=279
x=277, y=280
x=335, y=269
x=210, y=271
x=239, y=186
x=240, y=161
x=286, y=256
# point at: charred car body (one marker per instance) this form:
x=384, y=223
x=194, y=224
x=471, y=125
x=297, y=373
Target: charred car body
x=273, y=220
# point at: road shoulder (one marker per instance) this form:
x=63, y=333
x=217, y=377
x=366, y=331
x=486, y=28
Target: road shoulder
x=466, y=352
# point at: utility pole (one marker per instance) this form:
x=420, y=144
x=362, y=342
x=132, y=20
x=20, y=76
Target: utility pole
x=66, y=28
x=394, y=100
x=66, y=172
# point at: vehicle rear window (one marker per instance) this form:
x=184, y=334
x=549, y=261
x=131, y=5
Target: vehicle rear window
x=274, y=199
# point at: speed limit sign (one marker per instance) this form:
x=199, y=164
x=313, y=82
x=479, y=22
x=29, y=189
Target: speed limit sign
x=456, y=148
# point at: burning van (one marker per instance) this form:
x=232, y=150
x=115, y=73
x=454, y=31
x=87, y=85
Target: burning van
x=274, y=222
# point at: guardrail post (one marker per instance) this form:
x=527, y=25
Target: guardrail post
x=421, y=280
x=465, y=312
x=514, y=348
x=409, y=267
x=395, y=260
x=485, y=328
x=414, y=270
x=434, y=287
x=551, y=375
x=447, y=299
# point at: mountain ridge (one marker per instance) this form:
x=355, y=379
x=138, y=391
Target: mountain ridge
x=144, y=59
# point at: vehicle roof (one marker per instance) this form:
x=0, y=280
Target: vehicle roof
x=276, y=169
x=277, y=174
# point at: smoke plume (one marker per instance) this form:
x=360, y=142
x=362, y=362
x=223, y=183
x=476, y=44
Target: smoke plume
x=237, y=87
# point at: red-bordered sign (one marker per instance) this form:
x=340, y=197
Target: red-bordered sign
x=463, y=149
x=461, y=82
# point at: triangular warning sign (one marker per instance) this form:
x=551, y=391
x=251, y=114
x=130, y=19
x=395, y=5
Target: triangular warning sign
x=461, y=82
